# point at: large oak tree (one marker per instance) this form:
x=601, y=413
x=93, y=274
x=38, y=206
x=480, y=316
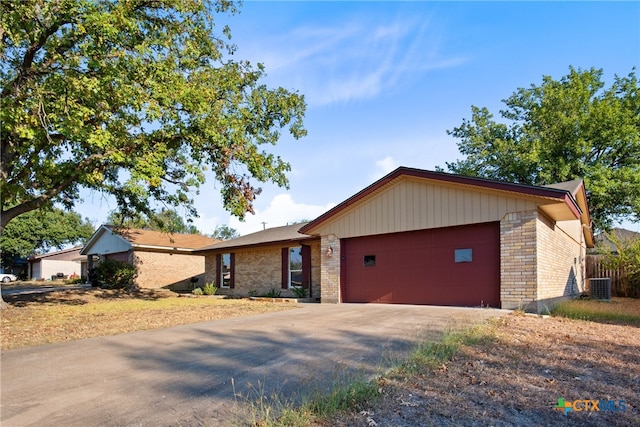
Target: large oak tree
x=135, y=99
x=563, y=129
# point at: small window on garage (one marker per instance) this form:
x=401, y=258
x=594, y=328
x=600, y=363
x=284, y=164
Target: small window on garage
x=464, y=255
x=369, y=260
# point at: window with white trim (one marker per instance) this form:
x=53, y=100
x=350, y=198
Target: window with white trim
x=225, y=271
x=295, y=266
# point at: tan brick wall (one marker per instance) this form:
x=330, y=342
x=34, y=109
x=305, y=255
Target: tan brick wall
x=259, y=270
x=518, y=279
x=540, y=261
x=158, y=270
x=560, y=262
x=330, y=269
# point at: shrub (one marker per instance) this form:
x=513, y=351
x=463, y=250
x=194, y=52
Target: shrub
x=210, y=289
x=197, y=291
x=117, y=274
x=626, y=260
x=272, y=294
x=299, y=292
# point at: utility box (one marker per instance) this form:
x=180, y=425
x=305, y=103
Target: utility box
x=600, y=288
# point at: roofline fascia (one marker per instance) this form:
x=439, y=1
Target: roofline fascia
x=257, y=245
x=164, y=248
x=93, y=238
x=552, y=193
x=63, y=251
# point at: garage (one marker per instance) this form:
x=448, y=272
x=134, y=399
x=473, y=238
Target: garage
x=442, y=266
x=423, y=237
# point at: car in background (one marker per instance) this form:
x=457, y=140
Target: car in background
x=6, y=278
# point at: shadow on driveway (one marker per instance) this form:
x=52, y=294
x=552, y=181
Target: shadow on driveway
x=194, y=374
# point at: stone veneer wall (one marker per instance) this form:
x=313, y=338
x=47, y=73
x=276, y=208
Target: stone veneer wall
x=560, y=263
x=330, y=269
x=518, y=278
x=158, y=269
x=259, y=270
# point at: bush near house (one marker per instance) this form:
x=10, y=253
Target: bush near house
x=117, y=274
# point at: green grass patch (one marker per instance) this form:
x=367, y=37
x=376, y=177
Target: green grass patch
x=355, y=392
x=349, y=390
x=624, y=311
x=431, y=355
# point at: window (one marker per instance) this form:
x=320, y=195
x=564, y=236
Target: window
x=295, y=266
x=369, y=261
x=225, y=265
x=225, y=271
x=463, y=255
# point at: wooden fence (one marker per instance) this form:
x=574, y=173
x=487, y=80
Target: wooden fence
x=596, y=269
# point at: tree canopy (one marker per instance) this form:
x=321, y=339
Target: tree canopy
x=37, y=232
x=224, y=232
x=167, y=220
x=559, y=131
x=135, y=99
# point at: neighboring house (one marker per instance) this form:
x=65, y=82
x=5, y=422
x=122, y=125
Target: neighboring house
x=606, y=242
x=164, y=260
x=422, y=237
x=67, y=262
x=277, y=259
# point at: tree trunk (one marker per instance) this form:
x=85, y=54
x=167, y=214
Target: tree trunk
x=3, y=303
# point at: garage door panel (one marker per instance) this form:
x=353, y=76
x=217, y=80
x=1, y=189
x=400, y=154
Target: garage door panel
x=419, y=267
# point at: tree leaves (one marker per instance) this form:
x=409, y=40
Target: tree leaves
x=38, y=232
x=559, y=131
x=136, y=99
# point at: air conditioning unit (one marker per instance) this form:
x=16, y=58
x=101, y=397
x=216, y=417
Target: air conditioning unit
x=600, y=288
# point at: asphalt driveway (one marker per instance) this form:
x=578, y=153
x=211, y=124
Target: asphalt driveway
x=200, y=374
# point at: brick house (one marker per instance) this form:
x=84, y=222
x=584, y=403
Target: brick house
x=276, y=259
x=422, y=237
x=164, y=260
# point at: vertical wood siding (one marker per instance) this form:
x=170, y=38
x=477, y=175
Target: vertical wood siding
x=412, y=204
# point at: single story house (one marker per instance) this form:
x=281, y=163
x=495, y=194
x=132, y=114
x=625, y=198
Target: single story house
x=273, y=260
x=164, y=260
x=67, y=262
x=423, y=237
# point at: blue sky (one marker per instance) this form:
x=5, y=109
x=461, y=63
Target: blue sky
x=384, y=81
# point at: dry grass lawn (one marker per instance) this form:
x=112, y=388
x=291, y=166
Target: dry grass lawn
x=36, y=319
x=517, y=372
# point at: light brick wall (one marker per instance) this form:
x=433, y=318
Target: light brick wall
x=518, y=279
x=560, y=262
x=540, y=261
x=159, y=270
x=330, y=269
x=259, y=270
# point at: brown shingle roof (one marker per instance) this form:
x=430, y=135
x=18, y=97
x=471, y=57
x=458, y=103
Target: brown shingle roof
x=139, y=237
x=287, y=233
x=570, y=186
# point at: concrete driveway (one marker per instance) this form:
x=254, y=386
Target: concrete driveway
x=200, y=374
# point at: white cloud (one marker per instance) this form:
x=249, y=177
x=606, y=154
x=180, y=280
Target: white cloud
x=383, y=167
x=357, y=58
x=281, y=211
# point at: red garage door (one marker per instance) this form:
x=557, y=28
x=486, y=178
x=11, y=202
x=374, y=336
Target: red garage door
x=443, y=266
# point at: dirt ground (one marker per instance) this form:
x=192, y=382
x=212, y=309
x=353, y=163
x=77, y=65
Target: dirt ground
x=517, y=378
